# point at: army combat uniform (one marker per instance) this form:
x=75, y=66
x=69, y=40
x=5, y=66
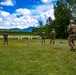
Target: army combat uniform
x=5, y=35
x=52, y=36
x=71, y=35
x=43, y=36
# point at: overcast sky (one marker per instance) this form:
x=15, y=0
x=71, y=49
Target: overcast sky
x=25, y=13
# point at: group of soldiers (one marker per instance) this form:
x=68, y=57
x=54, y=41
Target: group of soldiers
x=52, y=35
x=71, y=29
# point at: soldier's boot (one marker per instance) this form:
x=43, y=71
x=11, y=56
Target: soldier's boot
x=74, y=49
x=71, y=49
x=7, y=42
x=53, y=42
x=44, y=42
x=72, y=46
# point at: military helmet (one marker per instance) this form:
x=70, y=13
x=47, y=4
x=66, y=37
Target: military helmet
x=72, y=21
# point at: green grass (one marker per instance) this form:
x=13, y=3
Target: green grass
x=21, y=58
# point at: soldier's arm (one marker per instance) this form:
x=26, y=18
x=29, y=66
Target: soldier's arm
x=69, y=29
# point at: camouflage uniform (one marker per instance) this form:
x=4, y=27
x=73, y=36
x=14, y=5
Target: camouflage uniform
x=53, y=36
x=5, y=35
x=43, y=36
x=71, y=35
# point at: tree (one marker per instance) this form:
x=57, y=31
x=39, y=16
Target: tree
x=40, y=24
x=71, y=2
x=62, y=15
x=49, y=21
x=38, y=30
x=72, y=5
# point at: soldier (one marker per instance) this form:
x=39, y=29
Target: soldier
x=43, y=36
x=5, y=35
x=71, y=35
x=52, y=36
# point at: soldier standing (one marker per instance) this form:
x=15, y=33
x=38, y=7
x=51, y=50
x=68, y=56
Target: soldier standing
x=52, y=36
x=43, y=36
x=71, y=35
x=5, y=35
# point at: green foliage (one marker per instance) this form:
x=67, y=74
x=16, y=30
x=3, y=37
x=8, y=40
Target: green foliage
x=72, y=5
x=62, y=15
x=47, y=30
x=15, y=32
x=71, y=2
x=37, y=31
x=40, y=24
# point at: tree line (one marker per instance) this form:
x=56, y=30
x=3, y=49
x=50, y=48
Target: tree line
x=64, y=10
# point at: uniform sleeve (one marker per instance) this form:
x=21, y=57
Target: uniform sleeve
x=70, y=29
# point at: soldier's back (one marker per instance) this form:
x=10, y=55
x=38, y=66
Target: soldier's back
x=71, y=29
x=53, y=33
x=5, y=35
x=43, y=34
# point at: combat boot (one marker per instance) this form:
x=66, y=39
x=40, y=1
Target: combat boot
x=74, y=49
x=71, y=49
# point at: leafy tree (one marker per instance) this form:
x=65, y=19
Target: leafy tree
x=72, y=5
x=49, y=21
x=40, y=24
x=71, y=2
x=48, y=26
x=62, y=15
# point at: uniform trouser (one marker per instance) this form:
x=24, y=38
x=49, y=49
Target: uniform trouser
x=71, y=38
x=43, y=40
x=5, y=41
x=52, y=40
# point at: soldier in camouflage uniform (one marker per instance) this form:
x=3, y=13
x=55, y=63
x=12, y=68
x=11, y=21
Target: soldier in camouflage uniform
x=71, y=35
x=43, y=36
x=5, y=35
x=52, y=36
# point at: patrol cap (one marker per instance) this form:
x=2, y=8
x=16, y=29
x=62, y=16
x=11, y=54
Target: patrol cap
x=72, y=21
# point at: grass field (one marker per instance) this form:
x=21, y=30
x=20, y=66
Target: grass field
x=30, y=57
